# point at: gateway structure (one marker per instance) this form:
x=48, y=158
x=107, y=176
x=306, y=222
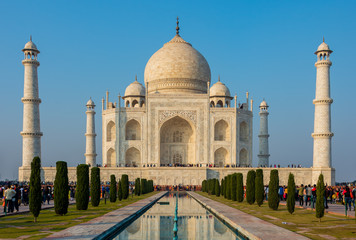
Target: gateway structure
x=177, y=127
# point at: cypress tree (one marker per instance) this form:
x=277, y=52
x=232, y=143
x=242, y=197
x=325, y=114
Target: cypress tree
x=119, y=194
x=113, y=189
x=203, y=186
x=61, y=189
x=259, y=187
x=35, y=188
x=95, y=186
x=250, y=186
x=240, y=188
x=225, y=186
x=217, y=188
x=142, y=186
x=291, y=193
x=273, y=200
x=125, y=186
x=209, y=186
x=212, y=186
x=137, y=187
x=222, y=187
x=320, y=188
x=150, y=185
x=82, y=191
x=233, y=187
x=228, y=191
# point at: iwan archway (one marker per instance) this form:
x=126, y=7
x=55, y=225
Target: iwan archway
x=177, y=142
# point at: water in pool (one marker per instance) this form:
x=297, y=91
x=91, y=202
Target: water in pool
x=194, y=222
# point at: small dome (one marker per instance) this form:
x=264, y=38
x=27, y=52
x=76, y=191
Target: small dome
x=323, y=47
x=263, y=104
x=30, y=46
x=219, y=89
x=90, y=103
x=135, y=89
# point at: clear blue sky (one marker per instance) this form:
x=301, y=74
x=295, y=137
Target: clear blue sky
x=265, y=47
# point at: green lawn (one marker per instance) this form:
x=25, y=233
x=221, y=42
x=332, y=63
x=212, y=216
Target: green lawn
x=301, y=221
x=48, y=222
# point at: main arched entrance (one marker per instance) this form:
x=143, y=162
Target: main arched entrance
x=177, y=140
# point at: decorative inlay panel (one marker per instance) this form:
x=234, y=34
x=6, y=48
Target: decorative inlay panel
x=166, y=114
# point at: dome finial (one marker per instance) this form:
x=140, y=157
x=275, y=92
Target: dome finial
x=136, y=78
x=177, y=28
x=31, y=38
x=323, y=39
x=219, y=78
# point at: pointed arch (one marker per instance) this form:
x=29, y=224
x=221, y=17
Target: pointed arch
x=243, y=157
x=221, y=157
x=221, y=131
x=133, y=130
x=220, y=104
x=212, y=104
x=111, y=158
x=132, y=157
x=110, y=132
x=244, y=131
x=135, y=103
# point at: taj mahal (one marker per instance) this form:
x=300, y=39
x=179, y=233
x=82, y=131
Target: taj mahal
x=179, y=126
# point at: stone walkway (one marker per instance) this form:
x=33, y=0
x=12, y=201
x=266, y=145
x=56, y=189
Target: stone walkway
x=336, y=209
x=25, y=209
x=248, y=225
x=101, y=227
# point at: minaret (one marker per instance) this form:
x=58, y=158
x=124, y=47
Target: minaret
x=31, y=133
x=322, y=121
x=263, y=156
x=90, y=152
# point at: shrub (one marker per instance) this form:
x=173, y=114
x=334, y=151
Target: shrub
x=225, y=186
x=143, y=186
x=95, y=186
x=233, y=187
x=125, y=186
x=35, y=188
x=82, y=191
x=228, y=190
x=320, y=188
x=259, y=187
x=203, y=186
x=222, y=187
x=240, y=187
x=250, y=186
x=217, y=188
x=137, y=187
x=113, y=189
x=119, y=194
x=61, y=189
x=150, y=185
x=291, y=194
x=273, y=200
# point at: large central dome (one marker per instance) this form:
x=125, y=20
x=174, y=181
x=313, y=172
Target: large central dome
x=177, y=68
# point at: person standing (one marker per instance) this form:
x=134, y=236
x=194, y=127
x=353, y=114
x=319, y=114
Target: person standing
x=347, y=196
x=309, y=193
x=353, y=196
x=300, y=195
x=313, y=196
x=17, y=197
x=9, y=196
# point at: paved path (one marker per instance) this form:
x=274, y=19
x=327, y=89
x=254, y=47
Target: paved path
x=336, y=209
x=104, y=225
x=250, y=226
x=25, y=209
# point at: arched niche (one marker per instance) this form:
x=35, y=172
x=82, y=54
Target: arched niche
x=221, y=131
x=133, y=130
x=135, y=103
x=177, y=142
x=132, y=157
x=221, y=157
x=220, y=104
x=243, y=157
x=244, y=131
x=110, y=132
x=111, y=158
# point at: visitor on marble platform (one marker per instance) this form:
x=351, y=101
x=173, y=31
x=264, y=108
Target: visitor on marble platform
x=347, y=197
x=313, y=196
x=300, y=195
x=309, y=193
x=353, y=192
x=9, y=197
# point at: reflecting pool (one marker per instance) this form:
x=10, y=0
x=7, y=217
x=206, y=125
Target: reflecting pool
x=194, y=222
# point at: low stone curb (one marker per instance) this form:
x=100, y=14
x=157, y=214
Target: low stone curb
x=268, y=230
x=105, y=226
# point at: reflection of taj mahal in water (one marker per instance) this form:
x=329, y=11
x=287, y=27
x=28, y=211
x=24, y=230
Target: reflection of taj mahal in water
x=177, y=118
x=194, y=222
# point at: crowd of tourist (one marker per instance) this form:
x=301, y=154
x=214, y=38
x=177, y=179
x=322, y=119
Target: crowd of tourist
x=306, y=195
